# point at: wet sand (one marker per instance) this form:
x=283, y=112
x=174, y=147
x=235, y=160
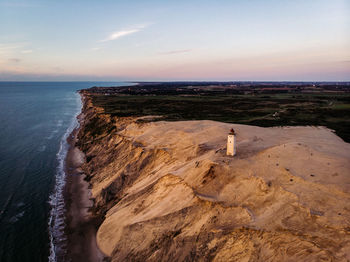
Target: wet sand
x=81, y=225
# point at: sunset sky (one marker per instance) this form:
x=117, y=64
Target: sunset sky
x=175, y=40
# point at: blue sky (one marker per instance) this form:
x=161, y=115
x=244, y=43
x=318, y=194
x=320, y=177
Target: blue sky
x=175, y=40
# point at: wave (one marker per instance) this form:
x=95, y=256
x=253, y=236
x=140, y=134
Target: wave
x=42, y=148
x=57, y=214
x=15, y=218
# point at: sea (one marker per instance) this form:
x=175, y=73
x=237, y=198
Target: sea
x=35, y=121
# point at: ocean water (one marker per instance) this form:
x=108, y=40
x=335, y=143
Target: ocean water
x=35, y=120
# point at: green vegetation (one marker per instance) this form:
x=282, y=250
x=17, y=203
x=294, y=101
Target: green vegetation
x=328, y=110
x=251, y=103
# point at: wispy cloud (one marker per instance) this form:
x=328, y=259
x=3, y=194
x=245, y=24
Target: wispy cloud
x=173, y=52
x=96, y=48
x=27, y=51
x=14, y=60
x=10, y=49
x=118, y=34
x=6, y=47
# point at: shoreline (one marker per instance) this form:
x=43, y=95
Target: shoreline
x=81, y=224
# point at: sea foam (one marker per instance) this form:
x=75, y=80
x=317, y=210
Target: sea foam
x=57, y=214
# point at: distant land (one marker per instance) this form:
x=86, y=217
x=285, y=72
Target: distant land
x=253, y=103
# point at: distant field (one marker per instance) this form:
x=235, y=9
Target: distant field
x=331, y=110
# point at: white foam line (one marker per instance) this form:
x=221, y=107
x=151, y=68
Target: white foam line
x=56, y=199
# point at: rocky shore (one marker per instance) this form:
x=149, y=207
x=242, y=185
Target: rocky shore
x=166, y=191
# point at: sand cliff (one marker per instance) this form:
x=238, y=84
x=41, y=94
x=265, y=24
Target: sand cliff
x=168, y=192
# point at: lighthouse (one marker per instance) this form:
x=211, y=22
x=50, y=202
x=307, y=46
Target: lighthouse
x=231, y=143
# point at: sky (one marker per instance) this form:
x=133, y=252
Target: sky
x=224, y=40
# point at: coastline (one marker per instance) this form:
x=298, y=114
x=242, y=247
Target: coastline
x=81, y=224
x=167, y=191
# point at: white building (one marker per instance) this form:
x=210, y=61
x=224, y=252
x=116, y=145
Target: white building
x=231, y=143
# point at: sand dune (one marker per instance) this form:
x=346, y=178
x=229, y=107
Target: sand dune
x=170, y=193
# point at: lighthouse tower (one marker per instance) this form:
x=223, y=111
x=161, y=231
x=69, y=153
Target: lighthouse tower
x=231, y=143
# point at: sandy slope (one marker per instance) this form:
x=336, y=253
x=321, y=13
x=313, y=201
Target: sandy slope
x=171, y=194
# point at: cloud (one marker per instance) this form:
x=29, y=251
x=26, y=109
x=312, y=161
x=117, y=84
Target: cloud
x=96, y=48
x=6, y=47
x=14, y=60
x=118, y=34
x=173, y=52
x=12, y=49
x=26, y=51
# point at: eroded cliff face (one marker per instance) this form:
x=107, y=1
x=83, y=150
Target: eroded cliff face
x=168, y=192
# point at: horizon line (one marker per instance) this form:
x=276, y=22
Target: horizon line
x=175, y=81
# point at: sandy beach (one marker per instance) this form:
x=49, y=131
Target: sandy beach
x=81, y=225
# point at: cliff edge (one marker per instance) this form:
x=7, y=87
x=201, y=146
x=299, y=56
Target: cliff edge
x=168, y=192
